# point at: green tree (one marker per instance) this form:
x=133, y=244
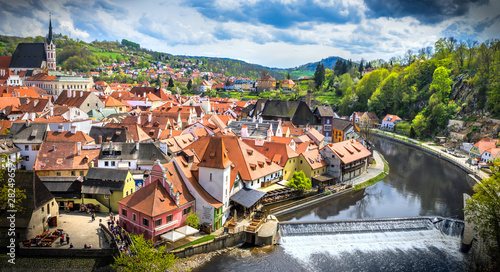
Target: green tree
x=319, y=75
x=288, y=76
x=483, y=209
x=171, y=83
x=299, y=181
x=418, y=124
x=193, y=220
x=7, y=188
x=441, y=84
x=145, y=257
x=189, y=85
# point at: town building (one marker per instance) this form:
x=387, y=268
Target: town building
x=326, y=115
x=389, y=122
x=132, y=156
x=162, y=205
x=346, y=159
x=28, y=137
x=369, y=120
x=343, y=130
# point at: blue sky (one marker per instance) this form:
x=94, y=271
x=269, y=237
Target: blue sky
x=275, y=33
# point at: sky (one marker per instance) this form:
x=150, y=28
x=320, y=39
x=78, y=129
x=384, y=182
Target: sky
x=273, y=33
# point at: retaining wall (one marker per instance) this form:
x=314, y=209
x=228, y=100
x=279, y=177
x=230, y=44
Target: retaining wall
x=220, y=242
x=66, y=252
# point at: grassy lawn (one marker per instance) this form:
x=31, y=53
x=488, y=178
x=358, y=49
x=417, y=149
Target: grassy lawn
x=109, y=54
x=302, y=73
x=198, y=241
x=376, y=179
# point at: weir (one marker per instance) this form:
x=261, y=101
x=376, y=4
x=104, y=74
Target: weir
x=390, y=243
x=448, y=226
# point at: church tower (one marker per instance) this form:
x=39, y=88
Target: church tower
x=50, y=48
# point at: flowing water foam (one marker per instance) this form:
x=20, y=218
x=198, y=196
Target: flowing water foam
x=378, y=241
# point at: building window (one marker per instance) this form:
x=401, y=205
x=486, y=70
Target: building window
x=134, y=217
x=81, y=173
x=124, y=212
x=210, y=176
x=106, y=163
x=52, y=203
x=42, y=209
x=58, y=174
x=186, y=211
x=131, y=190
x=26, y=158
x=169, y=218
x=112, y=163
x=126, y=193
x=145, y=222
x=73, y=173
x=26, y=147
x=158, y=222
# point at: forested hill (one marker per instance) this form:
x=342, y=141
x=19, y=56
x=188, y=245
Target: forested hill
x=458, y=81
x=82, y=56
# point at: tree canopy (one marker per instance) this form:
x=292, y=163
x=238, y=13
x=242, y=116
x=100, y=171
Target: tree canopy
x=193, y=220
x=483, y=209
x=144, y=257
x=299, y=181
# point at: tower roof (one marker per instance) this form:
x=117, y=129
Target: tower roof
x=49, y=37
x=215, y=155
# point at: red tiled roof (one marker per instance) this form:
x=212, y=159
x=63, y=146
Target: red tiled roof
x=349, y=151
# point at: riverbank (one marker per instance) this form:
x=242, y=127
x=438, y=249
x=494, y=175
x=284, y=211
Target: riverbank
x=195, y=261
x=459, y=162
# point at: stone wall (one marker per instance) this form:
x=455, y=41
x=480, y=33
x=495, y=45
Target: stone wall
x=73, y=252
x=220, y=242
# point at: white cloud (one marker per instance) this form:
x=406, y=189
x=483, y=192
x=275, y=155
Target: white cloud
x=176, y=28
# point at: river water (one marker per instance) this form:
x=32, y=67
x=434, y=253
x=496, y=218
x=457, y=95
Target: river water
x=419, y=184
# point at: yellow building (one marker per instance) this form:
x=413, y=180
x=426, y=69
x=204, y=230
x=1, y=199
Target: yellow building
x=340, y=128
x=369, y=119
x=107, y=186
x=311, y=163
x=287, y=84
x=266, y=83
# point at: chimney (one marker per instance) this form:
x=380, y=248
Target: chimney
x=68, y=92
x=33, y=115
x=253, y=119
x=309, y=98
x=244, y=132
x=73, y=129
x=139, y=119
x=60, y=128
x=79, y=148
x=51, y=110
x=119, y=95
x=260, y=119
x=137, y=146
x=54, y=147
x=150, y=115
x=177, y=199
x=28, y=123
x=99, y=141
x=81, y=93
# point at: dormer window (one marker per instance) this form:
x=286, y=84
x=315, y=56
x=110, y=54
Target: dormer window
x=210, y=176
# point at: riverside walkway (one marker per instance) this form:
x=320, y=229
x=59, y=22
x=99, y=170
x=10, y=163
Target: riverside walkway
x=459, y=161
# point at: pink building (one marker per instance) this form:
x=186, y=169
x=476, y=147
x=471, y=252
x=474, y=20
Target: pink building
x=162, y=205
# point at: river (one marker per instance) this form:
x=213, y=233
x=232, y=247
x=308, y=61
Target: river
x=418, y=184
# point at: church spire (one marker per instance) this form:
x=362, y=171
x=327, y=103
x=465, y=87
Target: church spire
x=49, y=37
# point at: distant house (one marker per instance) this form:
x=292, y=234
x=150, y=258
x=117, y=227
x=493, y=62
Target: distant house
x=205, y=85
x=12, y=152
x=356, y=116
x=389, y=122
x=342, y=129
x=326, y=115
x=266, y=83
x=484, y=150
x=287, y=84
x=296, y=111
x=369, y=119
x=85, y=101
